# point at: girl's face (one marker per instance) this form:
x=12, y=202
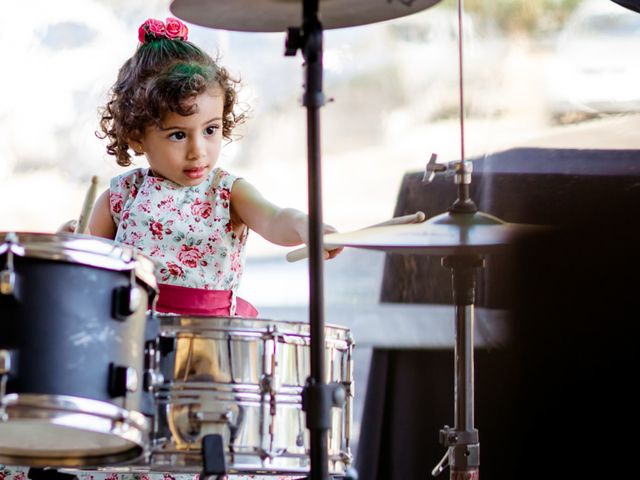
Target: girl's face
x=186, y=148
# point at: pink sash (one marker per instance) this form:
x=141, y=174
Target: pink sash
x=197, y=301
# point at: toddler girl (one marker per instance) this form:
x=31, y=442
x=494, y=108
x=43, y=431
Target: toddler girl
x=174, y=104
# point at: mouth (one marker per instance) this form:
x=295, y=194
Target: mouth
x=195, y=173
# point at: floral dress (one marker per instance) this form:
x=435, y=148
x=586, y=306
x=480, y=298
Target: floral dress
x=188, y=231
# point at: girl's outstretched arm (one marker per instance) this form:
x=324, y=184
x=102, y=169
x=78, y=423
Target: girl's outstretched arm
x=101, y=223
x=282, y=226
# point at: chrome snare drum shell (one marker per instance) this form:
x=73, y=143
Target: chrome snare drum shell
x=73, y=325
x=243, y=378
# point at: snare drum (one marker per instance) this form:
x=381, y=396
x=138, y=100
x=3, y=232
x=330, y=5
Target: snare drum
x=73, y=325
x=243, y=378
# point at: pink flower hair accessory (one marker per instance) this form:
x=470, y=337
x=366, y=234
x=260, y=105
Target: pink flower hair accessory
x=153, y=29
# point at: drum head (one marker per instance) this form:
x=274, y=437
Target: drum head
x=33, y=438
x=82, y=250
x=71, y=432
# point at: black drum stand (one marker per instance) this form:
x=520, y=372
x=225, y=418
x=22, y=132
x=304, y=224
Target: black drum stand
x=318, y=397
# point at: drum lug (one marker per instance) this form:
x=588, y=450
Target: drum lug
x=152, y=377
x=122, y=380
x=268, y=387
x=8, y=362
x=7, y=369
x=266, y=384
x=166, y=344
x=197, y=418
x=7, y=282
x=126, y=301
x=8, y=275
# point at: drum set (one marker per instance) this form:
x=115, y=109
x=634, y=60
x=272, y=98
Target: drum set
x=92, y=378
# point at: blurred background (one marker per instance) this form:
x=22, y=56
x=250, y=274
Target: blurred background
x=538, y=73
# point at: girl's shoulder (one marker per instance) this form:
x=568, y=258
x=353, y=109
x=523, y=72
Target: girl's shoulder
x=223, y=179
x=128, y=180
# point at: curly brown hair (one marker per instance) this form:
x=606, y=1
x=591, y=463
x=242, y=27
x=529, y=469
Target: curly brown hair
x=161, y=77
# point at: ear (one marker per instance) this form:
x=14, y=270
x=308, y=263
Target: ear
x=136, y=146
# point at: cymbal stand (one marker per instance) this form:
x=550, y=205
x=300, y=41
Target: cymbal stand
x=463, y=447
x=318, y=397
x=462, y=441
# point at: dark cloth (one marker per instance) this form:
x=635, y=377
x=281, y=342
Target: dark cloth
x=569, y=296
x=630, y=4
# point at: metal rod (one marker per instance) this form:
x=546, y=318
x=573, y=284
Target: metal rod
x=316, y=256
x=462, y=440
x=313, y=101
x=464, y=414
x=463, y=195
x=318, y=439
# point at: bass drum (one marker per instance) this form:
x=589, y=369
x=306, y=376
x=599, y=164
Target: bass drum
x=73, y=326
x=243, y=378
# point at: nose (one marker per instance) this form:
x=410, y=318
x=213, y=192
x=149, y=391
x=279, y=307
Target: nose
x=196, y=149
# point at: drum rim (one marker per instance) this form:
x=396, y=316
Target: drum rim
x=189, y=461
x=168, y=458
x=129, y=425
x=171, y=322
x=80, y=249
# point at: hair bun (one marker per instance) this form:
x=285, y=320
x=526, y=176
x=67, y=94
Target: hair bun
x=153, y=29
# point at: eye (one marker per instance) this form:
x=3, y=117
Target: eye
x=211, y=130
x=177, y=136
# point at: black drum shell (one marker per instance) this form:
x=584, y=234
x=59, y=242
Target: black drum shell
x=60, y=324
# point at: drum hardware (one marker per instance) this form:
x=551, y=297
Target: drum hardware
x=49, y=474
x=201, y=417
x=317, y=395
x=8, y=275
x=267, y=388
x=461, y=170
x=122, y=379
x=152, y=377
x=213, y=457
x=127, y=300
x=7, y=368
x=166, y=344
x=462, y=441
x=7, y=278
x=7, y=365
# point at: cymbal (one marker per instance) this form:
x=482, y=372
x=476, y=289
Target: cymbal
x=278, y=15
x=445, y=234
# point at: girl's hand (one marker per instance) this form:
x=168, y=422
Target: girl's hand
x=68, y=227
x=333, y=253
x=304, y=251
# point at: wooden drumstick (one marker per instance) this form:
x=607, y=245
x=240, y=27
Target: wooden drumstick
x=417, y=217
x=89, y=199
